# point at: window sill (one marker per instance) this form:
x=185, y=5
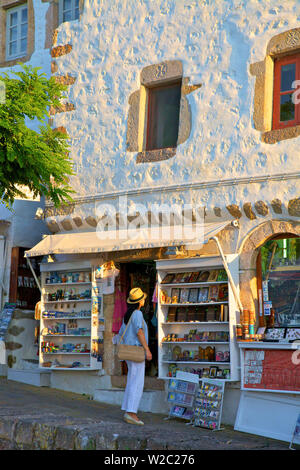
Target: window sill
x=277, y=135
x=149, y=156
x=11, y=62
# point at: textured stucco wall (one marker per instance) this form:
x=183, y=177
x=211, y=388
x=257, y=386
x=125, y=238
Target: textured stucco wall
x=216, y=42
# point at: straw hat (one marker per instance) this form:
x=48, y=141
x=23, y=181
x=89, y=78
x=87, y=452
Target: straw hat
x=136, y=295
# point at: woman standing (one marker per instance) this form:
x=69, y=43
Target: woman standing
x=135, y=335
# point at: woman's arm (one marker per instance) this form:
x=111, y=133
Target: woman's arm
x=142, y=340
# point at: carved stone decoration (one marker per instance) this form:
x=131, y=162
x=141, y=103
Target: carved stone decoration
x=67, y=225
x=157, y=73
x=92, y=221
x=248, y=211
x=218, y=212
x=284, y=42
x=234, y=210
x=276, y=206
x=53, y=226
x=261, y=208
x=294, y=207
x=77, y=221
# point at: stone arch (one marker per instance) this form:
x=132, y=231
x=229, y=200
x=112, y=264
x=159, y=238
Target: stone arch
x=248, y=256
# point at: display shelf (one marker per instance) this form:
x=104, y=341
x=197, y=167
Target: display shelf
x=212, y=308
x=195, y=342
x=69, y=368
x=204, y=304
x=66, y=318
x=195, y=362
x=66, y=354
x=77, y=310
x=50, y=284
x=172, y=378
x=66, y=301
x=195, y=323
x=194, y=284
x=58, y=335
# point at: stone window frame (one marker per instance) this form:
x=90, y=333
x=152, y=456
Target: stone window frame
x=10, y=11
x=6, y=5
x=280, y=46
x=163, y=73
x=73, y=8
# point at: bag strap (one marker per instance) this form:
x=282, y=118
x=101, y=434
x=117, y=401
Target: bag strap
x=126, y=328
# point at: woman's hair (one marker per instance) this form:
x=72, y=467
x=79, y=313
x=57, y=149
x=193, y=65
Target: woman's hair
x=130, y=309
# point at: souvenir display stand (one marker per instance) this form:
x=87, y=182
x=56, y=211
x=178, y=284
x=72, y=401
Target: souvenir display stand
x=70, y=305
x=197, y=314
x=181, y=394
x=270, y=367
x=209, y=404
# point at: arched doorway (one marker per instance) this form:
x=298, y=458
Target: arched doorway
x=249, y=252
x=278, y=281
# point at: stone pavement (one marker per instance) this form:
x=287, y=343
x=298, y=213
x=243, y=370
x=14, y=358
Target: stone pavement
x=44, y=418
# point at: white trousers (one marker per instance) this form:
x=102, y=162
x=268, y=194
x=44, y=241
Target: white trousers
x=134, y=386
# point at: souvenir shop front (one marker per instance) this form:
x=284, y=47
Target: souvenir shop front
x=209, y=310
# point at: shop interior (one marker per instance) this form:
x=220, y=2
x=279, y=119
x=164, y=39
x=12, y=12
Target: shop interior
x=142, y=274
x=279, y=279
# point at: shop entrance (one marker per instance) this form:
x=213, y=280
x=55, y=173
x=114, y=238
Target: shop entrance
x=143, y=274
x=278, y=275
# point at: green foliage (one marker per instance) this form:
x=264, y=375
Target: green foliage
x=38, y=160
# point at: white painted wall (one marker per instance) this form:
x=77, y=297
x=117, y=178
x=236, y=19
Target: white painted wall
x=216, y=41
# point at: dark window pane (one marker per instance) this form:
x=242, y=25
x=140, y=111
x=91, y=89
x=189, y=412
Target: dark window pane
x=24, y=30
x=14, y=18
x=288, y=76
x=13, y=36
x=67, y=16
x=287, y=108
x=24, y=45
x=163, y=123
x=13, y=48
x=67, y=4
x=24, y=15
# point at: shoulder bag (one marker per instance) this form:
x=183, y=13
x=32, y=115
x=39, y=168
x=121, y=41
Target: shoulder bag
x=126, y=352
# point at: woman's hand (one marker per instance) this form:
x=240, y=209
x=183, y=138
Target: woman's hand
x=148, y=355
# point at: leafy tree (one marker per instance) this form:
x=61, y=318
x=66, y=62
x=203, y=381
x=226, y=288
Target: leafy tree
x=37, y=160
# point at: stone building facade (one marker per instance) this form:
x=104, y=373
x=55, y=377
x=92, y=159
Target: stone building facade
x=228, y=158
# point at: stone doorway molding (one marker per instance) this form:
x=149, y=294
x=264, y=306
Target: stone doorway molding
x=248, y=256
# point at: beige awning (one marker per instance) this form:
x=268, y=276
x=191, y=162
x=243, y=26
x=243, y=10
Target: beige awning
x=119, y=240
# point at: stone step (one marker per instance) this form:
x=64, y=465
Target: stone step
x=153, y=401
x=36, y=377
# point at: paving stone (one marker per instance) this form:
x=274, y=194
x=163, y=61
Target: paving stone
x=67, y=421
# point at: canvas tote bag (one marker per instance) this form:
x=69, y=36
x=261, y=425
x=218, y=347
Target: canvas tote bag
x=126, y=352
